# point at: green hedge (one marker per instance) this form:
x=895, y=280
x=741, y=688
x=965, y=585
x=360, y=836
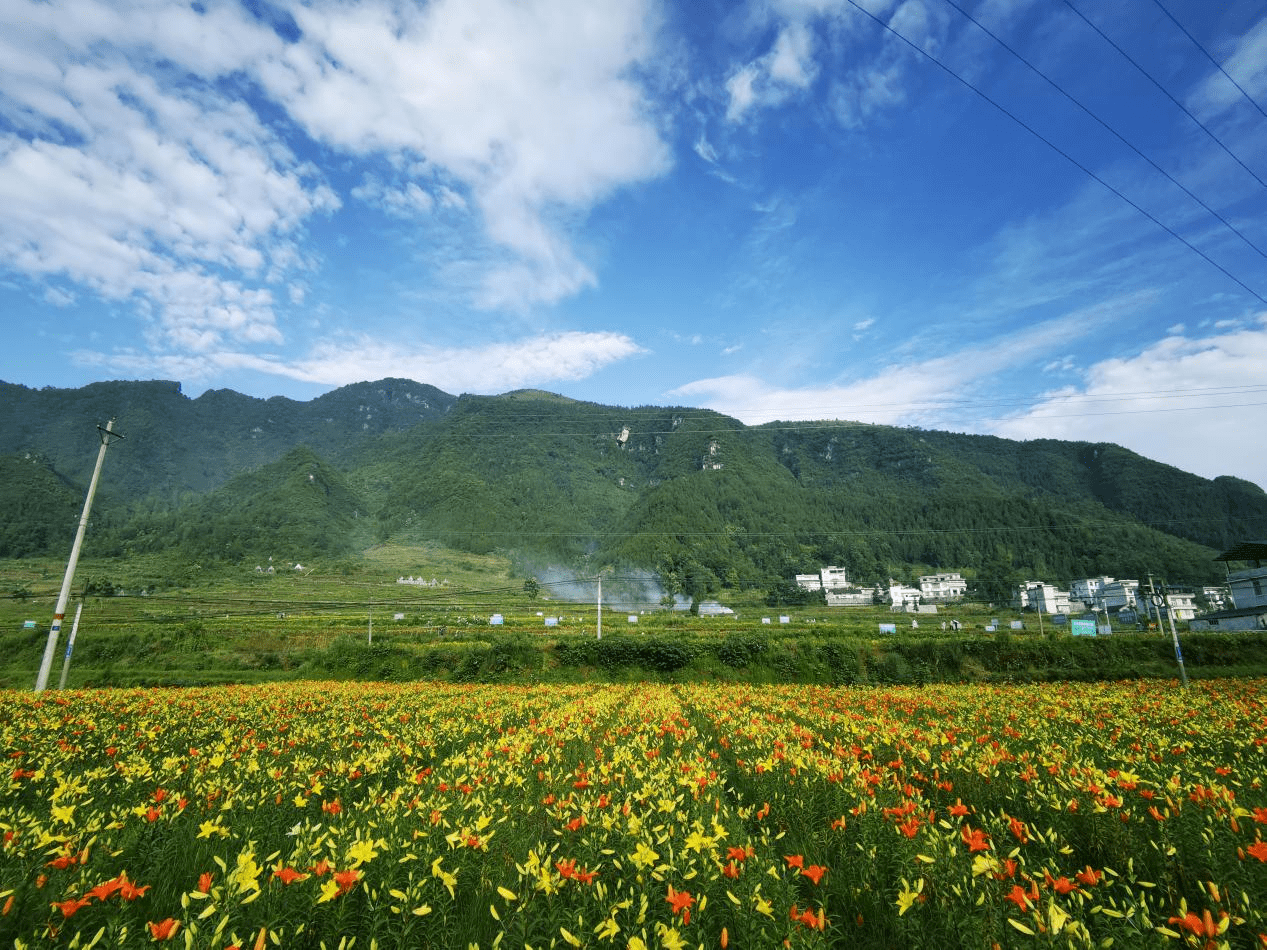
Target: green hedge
x=185, y=655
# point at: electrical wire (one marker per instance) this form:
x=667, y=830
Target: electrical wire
x=1217, y=65
x=1164, y=91
x=1058, y=150
x=1104, y=125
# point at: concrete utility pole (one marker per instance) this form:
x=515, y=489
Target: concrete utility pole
x=1157, y=600
x=59, y=614
x=70, y=646
x=600, y=606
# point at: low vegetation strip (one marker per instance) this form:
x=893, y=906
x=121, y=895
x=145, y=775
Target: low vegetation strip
x=480, y=655
x=638, y=815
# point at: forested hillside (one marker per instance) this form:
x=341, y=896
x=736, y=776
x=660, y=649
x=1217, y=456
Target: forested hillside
x=701, y=499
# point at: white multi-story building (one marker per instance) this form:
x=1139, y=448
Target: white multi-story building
x=1042, y=598
x=1118, y=595
x=834, y=583
x=1180, y=604
x=828, y=578
x=1088, y=589
x=942, y=587
x=834, y=578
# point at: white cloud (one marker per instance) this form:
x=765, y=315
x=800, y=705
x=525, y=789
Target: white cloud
x=740, y=89
x=1247, y=65
x=403, y=201
x=123, y=174
x=705, y=150
x=864, y=79
x=530, y=107
x=58, y=296
x=791, y=62
x=926, y=392
x=488, y=368
x=1062, y=365
x=770, y=79
x=1195, y=403
x=139, y=162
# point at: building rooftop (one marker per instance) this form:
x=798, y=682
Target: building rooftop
x=1246, y=551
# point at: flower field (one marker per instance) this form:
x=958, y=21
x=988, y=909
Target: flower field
x=437, y=815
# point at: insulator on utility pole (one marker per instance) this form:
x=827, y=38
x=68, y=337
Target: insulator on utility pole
x=59, y=614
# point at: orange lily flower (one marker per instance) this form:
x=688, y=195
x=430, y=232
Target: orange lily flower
x=164, y=929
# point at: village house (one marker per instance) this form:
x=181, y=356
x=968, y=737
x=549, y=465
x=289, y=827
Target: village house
x=838, y=592
x=939, y=588
x=1088, y=590
x=1118, y=595
x=1248, y=590
x=902, y=597
x=1181, y=604
x=1041, y=598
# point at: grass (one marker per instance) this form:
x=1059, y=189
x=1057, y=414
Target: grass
x=182, y=623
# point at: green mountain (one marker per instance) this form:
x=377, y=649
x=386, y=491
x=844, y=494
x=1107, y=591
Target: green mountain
x=176, y=446
x=41, y=509
x=295, y=508
x=703, y=500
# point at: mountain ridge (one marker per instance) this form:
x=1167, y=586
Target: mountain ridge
x=702, y=499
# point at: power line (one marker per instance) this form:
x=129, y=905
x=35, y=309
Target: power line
x=1147, y=75
x=1104, y=125
x=1217, y=64
x=1059, y=151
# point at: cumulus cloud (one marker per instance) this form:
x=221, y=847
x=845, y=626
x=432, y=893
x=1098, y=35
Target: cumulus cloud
x=530, y=107
x=129, y=177
x=148, y=150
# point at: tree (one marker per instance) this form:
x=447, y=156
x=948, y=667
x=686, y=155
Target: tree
x=789, y=594
x=531, y=588
x=997, y=579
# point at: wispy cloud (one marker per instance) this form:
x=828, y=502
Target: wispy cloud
x=488, y=368
x=1247, y=65
x=817, y=38
x=1174, y=395
x=928, y=392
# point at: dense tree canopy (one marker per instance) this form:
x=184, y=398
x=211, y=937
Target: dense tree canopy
x=706, y=502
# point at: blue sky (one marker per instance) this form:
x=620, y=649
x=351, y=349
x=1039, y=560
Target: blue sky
x=1033, y=218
